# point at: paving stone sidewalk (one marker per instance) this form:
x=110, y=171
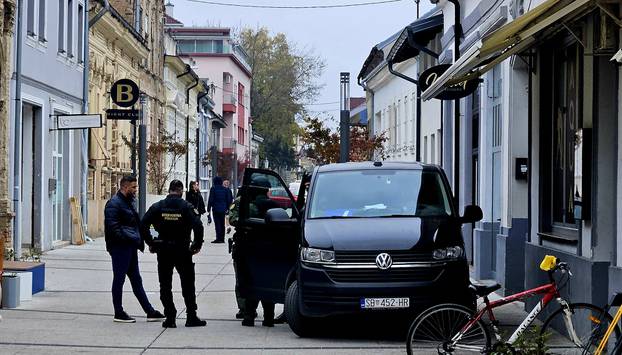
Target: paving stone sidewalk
x=74, y=314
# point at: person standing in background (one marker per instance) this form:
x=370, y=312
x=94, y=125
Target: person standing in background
x=220, y=198
x=193, y=195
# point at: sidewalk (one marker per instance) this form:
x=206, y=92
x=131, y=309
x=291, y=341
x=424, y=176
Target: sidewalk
x=74, y=314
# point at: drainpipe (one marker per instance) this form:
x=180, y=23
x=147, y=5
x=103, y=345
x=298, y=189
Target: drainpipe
x=85, y=110
x=17, y=146
x=136, y=18
x=457, y=35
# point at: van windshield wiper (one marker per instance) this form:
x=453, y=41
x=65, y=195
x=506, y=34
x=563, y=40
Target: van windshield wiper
x=338, y=217
x=394, y=215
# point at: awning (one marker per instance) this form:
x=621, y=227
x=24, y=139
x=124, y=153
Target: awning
x=414, y=39
x=508, y=40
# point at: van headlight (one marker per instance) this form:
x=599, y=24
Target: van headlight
x=451, y=253
x=312, y=255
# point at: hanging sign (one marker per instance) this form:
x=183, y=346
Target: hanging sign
x=124, y=93
x=114, y=114
x=452, y=92
x=78, y=121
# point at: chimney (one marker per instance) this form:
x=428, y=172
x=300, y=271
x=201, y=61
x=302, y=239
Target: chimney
x=169, y=8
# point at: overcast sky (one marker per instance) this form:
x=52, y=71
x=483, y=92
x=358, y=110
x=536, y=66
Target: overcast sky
x=343, y=37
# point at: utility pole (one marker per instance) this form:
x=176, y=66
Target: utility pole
x=344, y=122
x=142, y=176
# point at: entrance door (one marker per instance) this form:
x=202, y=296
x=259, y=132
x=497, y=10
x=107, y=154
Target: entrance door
x=57, y=184
x=29, y=114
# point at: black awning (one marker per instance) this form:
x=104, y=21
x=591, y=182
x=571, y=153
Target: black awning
x=414, y=38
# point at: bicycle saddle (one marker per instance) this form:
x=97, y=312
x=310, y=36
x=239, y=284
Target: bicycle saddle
x=482, y=290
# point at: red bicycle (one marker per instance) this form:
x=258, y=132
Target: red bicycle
x=455, y=329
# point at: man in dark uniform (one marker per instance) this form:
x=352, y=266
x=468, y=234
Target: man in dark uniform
x=220, y=198
x=174, y=219
x=258, y=207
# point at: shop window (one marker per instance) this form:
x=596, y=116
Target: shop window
x=565, y=143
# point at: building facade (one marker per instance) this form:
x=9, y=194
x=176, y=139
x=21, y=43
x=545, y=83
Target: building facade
x=539, y=138
x=147, y=18
x=393, y=104
x=223, y=64
x=7, y=30
x=49, y=169
x=116, y=52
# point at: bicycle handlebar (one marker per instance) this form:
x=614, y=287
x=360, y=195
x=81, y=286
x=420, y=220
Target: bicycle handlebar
x=561, y=266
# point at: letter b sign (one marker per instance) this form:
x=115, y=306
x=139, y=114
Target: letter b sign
x=124, y=93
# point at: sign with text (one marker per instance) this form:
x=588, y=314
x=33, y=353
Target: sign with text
x=78, y=121
x=452, y=92
x=124, y=93
x=129, y=115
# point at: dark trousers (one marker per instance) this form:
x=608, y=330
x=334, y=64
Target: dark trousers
x=125, y=262
x=239, y=299
x=219, y=223
x=251, y=307
x=182, y=261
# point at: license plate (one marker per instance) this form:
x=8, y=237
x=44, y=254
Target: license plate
x=384, y=303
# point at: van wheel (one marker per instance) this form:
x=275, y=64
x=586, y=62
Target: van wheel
x=299, y=324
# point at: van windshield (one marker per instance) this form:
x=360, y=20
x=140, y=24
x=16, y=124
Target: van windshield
x=379, y=193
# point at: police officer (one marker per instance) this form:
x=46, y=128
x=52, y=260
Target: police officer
x=174, y=219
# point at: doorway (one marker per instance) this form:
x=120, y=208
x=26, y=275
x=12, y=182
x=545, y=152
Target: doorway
x=57, y=184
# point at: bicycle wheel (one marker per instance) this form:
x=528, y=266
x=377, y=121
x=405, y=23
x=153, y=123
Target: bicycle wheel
x=437, y=326
x=590, y=324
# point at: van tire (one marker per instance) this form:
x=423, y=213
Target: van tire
x=299, y=324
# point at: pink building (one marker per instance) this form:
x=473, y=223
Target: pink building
x=216, y=58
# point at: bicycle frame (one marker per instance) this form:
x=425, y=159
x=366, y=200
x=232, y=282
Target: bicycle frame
x=610, y=330
x=549, y=292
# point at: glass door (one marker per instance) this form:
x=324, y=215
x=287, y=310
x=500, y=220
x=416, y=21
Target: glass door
x=57, y=195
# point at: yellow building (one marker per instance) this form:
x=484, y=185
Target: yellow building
x=117, y=51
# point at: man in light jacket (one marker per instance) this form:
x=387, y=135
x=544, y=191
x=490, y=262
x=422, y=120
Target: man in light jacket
x=123, y=240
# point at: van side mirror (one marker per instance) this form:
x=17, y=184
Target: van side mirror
x=278, y=216
x=472, y=214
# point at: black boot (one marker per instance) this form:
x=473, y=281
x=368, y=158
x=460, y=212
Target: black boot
x=194, y=321
x=248, y=322
x=280, y=319
x=169, y=322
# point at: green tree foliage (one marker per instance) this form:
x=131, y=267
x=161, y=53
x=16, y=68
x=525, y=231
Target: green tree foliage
x=284, y=78
x=322, y=144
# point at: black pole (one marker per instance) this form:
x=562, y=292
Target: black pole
x=142, y=176
x=198, y=156
x=418, y=123
x=529, y=143
x=344, y=120
x=133, y=161
x=187, y=150
x=457, y=35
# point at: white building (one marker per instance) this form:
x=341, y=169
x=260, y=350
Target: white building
x=392, y=101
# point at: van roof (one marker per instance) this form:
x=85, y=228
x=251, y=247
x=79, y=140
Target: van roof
x=370, y=165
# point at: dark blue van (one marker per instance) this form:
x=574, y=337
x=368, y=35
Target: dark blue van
x=359, y=237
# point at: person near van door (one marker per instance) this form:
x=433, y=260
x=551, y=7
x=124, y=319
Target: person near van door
x=193, y=195
x=258, y=207
x=174, y=219
x=123, y=240
x=227, y=184
x=220, y=198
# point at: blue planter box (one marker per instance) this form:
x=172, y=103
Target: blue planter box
x=37, y=270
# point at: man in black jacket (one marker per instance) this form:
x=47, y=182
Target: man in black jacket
x=121, y=228
x=220, y=198
x=174, y=219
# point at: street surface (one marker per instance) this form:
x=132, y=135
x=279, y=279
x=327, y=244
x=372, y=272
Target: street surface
x=74, y=314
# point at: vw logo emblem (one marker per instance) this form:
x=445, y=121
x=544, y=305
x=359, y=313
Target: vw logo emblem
x=384, y=261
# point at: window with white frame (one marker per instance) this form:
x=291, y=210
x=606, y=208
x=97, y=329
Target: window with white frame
x=80, y=33
x=42, y=12
x=61, y=26
x=70, y=28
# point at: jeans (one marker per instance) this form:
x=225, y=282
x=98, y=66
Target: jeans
x=219, y=223
x=125, y=262
x=180, y=259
